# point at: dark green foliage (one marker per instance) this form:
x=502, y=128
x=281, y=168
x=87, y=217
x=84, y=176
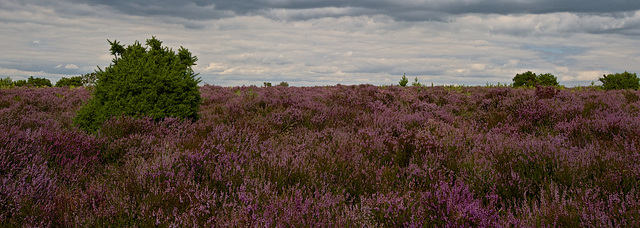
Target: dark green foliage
x=152, y=81
x=285, y=84
x=547, y=79
x=73, y=81
x=624, y=80
x=31, y=82
x=530, y=79
x=403, y=82
x=38, y=82
x=525, y=79
x=20, y=83
x=6, y=82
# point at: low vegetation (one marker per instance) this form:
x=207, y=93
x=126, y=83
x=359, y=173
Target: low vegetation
x=335, y=156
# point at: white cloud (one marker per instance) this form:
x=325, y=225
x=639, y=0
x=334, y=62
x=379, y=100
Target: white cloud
x=71, y=66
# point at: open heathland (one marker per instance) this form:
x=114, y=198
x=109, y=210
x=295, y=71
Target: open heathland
x=334, y=156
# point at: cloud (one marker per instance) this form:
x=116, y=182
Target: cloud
x=68, y=66
x=328, y=42
x=416, y=10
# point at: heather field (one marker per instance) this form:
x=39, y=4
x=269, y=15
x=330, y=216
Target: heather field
x=335, y=156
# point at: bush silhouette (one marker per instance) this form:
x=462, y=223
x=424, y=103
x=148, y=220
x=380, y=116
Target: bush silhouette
x=624, y=80
x=152, y=81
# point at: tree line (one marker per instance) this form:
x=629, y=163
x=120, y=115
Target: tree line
x=77, y=81
x=615, y=81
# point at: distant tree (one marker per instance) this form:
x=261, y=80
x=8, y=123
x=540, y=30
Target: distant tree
x=624, y=80
x=530, y=79
x=153, y=81
x=547, y=79
x=403, y=82
x=267, y=84
x=285, y=84
x=38, y=82
x=73, y=81
x=525, y=79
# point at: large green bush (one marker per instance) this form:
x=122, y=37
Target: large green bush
x=149, y=81
x=624, y=80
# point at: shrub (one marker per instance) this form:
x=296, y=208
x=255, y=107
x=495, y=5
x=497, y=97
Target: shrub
x=624, y=80
x=152, y=81
x=416, y=82
x=73, y=81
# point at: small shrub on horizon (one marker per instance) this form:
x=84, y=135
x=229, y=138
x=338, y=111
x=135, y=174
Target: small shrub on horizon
x=403, y=82
x=285, y=84
x=416, y=82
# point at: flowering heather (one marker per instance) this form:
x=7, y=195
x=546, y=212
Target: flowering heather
x=336, y=156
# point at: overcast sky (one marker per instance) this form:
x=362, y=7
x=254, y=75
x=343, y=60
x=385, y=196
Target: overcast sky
x=328, y=42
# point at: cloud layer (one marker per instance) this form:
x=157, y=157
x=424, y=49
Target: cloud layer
x=328, y=42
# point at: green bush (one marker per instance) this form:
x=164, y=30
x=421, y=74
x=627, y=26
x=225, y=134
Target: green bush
x=152, y=81
x=530, y=79
x=73, y=81
x=624, y=80
x=403, y=82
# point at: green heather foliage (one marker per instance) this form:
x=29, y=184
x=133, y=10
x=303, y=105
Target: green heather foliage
x=530, y=79
x=331, y=156
x=73, y=81
x=624, y=80
x=153, y=81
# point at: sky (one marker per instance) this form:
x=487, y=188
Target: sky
x=329, y=42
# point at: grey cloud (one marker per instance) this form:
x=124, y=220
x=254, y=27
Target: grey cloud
x=402, y=10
